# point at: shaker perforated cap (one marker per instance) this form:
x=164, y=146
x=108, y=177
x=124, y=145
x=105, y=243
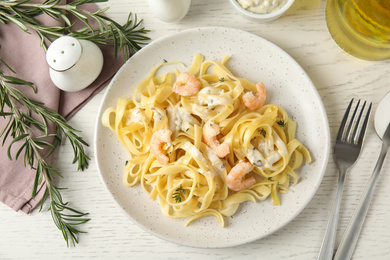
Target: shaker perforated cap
x=63, y=53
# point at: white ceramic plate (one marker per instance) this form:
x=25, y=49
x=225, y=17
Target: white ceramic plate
x=287, y=85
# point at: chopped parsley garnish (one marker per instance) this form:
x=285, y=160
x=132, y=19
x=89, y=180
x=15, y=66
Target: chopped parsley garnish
x=222, y=79
x=262, y=132
x=178, y=195
x=282, y=123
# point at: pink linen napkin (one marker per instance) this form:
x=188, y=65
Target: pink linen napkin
x=23, y=53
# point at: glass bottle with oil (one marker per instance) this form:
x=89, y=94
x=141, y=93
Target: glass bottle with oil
x=360, y=27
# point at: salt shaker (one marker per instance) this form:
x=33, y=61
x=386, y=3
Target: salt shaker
x=74, y=64
x=169, y=11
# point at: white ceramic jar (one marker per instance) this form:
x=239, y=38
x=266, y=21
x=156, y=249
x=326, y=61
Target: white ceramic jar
x=169, y=11
x=74, y=64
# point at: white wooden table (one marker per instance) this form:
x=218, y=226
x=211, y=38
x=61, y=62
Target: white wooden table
x=301, y=32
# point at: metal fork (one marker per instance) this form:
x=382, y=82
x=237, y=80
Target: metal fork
x=351, y=235
x=346, y=151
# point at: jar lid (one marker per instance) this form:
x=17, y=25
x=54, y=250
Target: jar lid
x=63, y=53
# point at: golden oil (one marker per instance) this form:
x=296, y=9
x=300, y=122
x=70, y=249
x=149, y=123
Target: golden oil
x=361, y=27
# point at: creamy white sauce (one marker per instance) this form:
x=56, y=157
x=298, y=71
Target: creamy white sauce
x=255, y=157
x=258, y=160
x=263, y=148
x=210, y=101
x=212, y=97
x=273, y=158
x=262, y=6
x=179, y=119
x=195, y=153
x=264, y=156
x=215, y=101
x=135, y=116
x=157, y=116
x=218, y=164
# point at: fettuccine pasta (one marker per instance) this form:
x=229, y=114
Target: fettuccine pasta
x=156, y=123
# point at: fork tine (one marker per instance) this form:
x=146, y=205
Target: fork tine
x=364, y=126
x=353, y=137
x=348, y=132
x=343, y=122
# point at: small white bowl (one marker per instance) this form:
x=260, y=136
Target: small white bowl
x=262, y=17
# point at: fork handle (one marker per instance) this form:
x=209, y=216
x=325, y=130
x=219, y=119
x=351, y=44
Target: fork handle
x=351, y=235
x=327, y=248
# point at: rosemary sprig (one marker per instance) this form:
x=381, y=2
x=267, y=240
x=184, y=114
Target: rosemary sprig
x=64, y=217
x=34, y=135
x=128, y=38
x=22, y=112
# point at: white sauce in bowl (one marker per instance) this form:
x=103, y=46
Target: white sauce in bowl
x=262, y=6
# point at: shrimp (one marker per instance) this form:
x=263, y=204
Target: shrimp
x=186, y=84
x=252, y=101
x=235, y=179
x=210, y=132
x=158, y=138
